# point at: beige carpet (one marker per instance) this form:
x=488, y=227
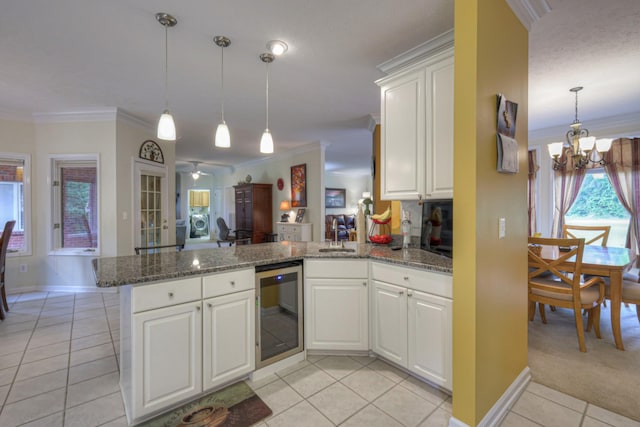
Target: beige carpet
x=604, y=376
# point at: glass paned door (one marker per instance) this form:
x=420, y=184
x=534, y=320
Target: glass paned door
x=151, y=194
x=151, y=220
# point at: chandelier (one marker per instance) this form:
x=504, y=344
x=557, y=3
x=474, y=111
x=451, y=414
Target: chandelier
x=579, y=144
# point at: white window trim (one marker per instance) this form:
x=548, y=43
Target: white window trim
x=54, y=211
x=26, y=189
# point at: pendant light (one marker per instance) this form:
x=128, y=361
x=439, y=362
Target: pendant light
x=222, y=138
x=266, y=142
x=166, y=125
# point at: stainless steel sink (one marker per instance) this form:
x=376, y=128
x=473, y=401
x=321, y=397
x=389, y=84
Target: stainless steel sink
x=336, y=250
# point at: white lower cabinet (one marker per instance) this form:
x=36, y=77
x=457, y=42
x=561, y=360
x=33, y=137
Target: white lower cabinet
x=411, y=323
x=184, y=337
x=228, y=337
x=429, y=337
x=389, y=322
x=336, y=305
x=167, y=351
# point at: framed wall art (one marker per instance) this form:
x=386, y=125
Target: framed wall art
x=300, y=216
x=335, y=197
x=299, y=186
x=507, y=146
x=150, y=150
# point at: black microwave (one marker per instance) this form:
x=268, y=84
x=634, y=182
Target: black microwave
x=437, y=226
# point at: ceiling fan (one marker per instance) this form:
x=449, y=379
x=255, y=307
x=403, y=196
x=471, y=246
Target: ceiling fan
x=195, y=172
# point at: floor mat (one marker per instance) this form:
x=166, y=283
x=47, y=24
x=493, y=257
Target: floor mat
x=234, y=406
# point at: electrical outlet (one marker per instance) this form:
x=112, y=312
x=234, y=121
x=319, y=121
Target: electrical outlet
x=502, y=228
x=23, y=268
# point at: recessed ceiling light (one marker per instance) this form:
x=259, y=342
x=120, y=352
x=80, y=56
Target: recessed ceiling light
x=277, y=47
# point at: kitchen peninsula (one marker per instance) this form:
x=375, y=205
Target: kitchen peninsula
x=188, y=319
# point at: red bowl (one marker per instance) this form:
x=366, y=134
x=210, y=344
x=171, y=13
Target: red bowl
x=381, y=239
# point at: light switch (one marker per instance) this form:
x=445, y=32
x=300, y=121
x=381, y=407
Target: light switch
x=502, y=228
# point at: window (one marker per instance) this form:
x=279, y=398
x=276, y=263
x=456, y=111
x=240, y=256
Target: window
x=597, y=204
x=15, y=195
x=75, y=205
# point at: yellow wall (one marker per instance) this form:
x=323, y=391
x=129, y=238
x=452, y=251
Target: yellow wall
x=490, y=300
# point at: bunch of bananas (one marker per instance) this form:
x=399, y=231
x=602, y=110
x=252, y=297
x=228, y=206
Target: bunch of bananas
x=383, y=216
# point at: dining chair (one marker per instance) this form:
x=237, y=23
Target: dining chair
x=591, y=233
x=4, y=247
x=239, y=237
x=566, y=289
x=630, y=289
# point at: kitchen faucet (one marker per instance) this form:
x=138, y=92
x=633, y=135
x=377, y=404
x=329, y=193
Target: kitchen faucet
x=334, y=225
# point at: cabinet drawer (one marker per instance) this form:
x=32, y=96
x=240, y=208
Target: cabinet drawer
x=420, y=280
x=148, y=297
x=336, y=269
x=226, y=283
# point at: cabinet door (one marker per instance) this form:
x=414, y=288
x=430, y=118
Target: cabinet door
x=402, y=136
x=337, y=314
x=389, y=322
x=167, y=353
x=430, y=337
x=439, y=129
x=228, y=338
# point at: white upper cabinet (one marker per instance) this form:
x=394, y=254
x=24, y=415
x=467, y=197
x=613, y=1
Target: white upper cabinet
x=402, y=130
x=416, y=137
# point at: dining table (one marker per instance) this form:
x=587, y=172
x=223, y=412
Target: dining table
x=604, y=261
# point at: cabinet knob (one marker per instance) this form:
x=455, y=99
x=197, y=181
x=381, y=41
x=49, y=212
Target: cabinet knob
x=170, y=294
x=401, y=293
x=209, y=305
x=364, y=283
x=233, y=282
x=409, y=293
x=198, y=308
x=406, y=278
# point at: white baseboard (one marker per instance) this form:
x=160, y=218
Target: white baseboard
x=54, y=288
x=500, y=409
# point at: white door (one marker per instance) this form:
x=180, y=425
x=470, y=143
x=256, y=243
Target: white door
x=337, y=314
x=430, y=337
x=151, y=207
x=229, y=337
x=167, y=349
x=389, y=322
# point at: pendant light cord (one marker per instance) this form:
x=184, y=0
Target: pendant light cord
x=267, y=97
x=222, y=83
x=166, y=67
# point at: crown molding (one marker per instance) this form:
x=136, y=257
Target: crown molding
x=430, y=47
x=620, y=126
x=101, y=115
x=529, y=11
x=129, y=118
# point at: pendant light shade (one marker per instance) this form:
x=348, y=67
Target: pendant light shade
x=223, y=137
x=166, y=125
x=266, y=142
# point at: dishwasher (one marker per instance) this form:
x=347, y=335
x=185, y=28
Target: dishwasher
x=279, y=313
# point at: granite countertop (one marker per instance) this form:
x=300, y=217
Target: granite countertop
x=132, y=269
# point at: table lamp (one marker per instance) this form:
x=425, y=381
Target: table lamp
x=367, y=201
x=286, y=207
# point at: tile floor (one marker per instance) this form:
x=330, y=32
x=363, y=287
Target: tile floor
x=59, y=367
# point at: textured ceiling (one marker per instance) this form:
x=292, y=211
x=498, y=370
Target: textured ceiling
x=79, y=55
